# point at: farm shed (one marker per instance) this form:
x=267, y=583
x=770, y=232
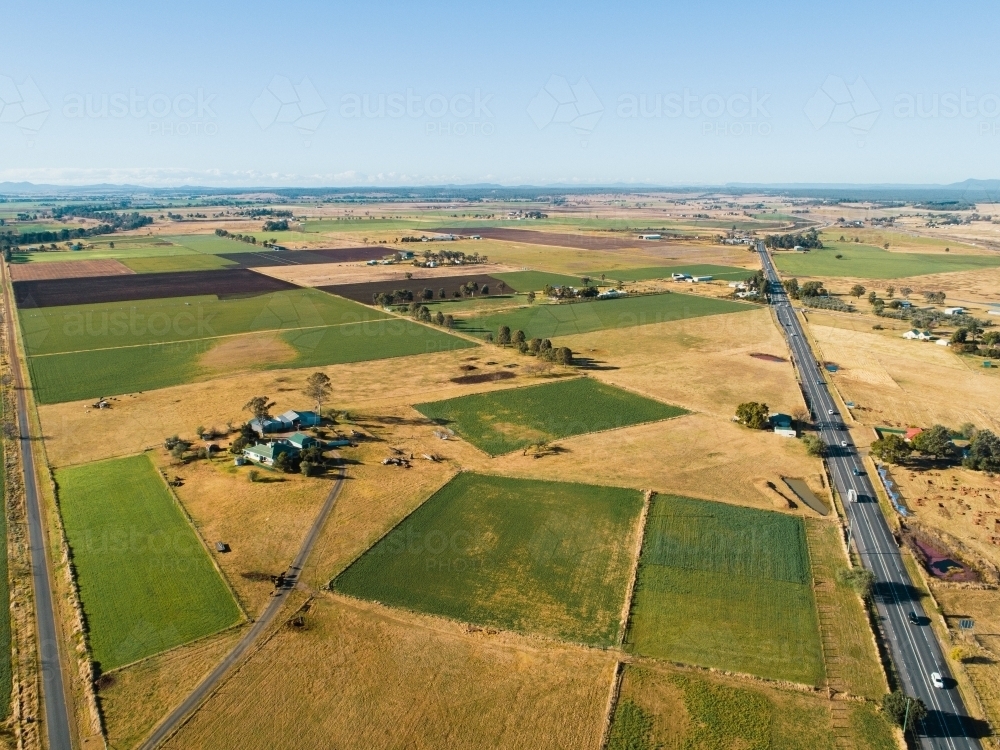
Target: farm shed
x=301, y=441
x=301, y=418
x=954, y=311
x=278, y=424
x=783, y=425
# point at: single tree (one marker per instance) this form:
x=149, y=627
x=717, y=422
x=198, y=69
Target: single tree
x=439, y=318
x=890, y=291
x=906, y=291
x=901, y=708
x=503, y=335
x=891, y=449
x=564, y=355
x=984, y=452
x=260, y=407
x=531, y=297
x=519, y=337
x=449, y=321
x=753, y=414
x=872, y=298
x=935, y=442
x=318, y=387
x=857, y=291
x=442, y=293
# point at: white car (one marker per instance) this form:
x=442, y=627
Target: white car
x=936, y=680
x=830, y=412
x=843, y=443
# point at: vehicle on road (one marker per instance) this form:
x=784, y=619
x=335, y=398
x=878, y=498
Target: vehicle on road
x=830, y=412
x=859, y=472
x=852, y=496
x=936, y=680
x=843, y=443
x=912, y=617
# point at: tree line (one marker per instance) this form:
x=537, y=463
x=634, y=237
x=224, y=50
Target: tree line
x=111, y=223
x=536, y=347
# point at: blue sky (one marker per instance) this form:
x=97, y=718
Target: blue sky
x=304, y=93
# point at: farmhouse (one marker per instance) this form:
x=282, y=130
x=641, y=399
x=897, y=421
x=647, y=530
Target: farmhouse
x=911, y=433
x=913, y=333
x=649, y=236
x=268, y=453
x=783, y=425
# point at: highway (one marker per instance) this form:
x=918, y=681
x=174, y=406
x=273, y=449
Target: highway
x=56, y=711
x=914, y=648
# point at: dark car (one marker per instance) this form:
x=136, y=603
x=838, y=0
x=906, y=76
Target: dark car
x=912, y=617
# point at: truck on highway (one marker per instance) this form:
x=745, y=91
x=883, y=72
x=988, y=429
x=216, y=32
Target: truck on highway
x=852, y=496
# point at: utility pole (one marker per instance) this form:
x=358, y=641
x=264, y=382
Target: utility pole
x=906, y=716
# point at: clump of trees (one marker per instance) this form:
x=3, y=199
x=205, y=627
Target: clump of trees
x=808, y=239
x=753, y=414
x=937, y=443
x=276, y=225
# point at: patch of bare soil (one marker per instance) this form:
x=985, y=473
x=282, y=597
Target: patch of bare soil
x=241, y=352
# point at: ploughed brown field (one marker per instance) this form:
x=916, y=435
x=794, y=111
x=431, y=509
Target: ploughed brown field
x=366, y=291
x=227, y=282
x=264, y=259
x=534, y=237
x=68, y=269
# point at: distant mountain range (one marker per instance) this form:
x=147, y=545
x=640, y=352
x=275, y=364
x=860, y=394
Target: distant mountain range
x=957, y=193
